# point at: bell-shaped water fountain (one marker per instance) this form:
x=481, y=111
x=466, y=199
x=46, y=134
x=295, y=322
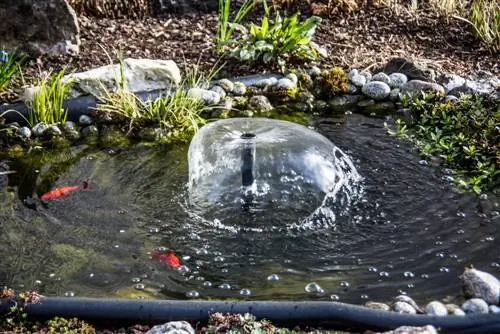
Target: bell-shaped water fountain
x=281, y=174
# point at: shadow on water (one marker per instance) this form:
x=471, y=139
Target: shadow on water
x=409, y=232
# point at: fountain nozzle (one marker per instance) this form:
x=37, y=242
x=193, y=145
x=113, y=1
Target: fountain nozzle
x=247, y=159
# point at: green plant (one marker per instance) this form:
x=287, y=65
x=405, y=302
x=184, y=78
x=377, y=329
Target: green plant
x=279, y=41
x=484, y=17
x=464, y=136
x=9, y=69
x=225, y=29
x=47, y=103
x=59, y=325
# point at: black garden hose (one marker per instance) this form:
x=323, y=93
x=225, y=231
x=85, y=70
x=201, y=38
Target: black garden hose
x=287, y=313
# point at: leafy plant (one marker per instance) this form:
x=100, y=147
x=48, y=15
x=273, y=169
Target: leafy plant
x=464, y=135
x=47, y=103
x=9, y=69
x=69, y=326
x=279, y=41
x=225, y=29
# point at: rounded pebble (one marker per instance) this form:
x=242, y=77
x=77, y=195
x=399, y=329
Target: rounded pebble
x=436, y=308
x=475, y=305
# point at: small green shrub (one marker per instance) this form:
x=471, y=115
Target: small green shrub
x=9, y=69
x=464, y=135
x=225, y=29
x=59, y=325
x=485, y=19
x=47, y=103
x=286, y=39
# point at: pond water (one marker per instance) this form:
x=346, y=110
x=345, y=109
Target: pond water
x=409, y=231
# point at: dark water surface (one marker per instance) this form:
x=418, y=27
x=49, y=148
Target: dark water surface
x=408, y=232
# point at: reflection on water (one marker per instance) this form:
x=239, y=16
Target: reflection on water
x=409, y=231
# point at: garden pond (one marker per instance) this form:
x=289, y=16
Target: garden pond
x=407, y=231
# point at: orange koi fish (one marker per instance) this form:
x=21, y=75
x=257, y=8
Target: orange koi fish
x=63, y=191
x=169, y=258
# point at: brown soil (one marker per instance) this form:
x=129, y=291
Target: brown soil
x=365, y=39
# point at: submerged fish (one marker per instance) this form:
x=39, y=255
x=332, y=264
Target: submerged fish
x=169, y=258
x=63, y=191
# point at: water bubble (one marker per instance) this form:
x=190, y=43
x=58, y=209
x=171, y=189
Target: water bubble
x=489, y=238
x=444, y=270
x=344, y=284
x=411, y=285
x=440, y=254
x=453, y=256
x=383, y=274
x=495, y=264
x=136, y=279
x=207, y=283
x=334, y=297
x=460, y=231
x=460, y=214
x=183, y=270
x=202, y=251
x=401, y=292
x=423, y=163
x=192, y=294
x=439, y=242
x=364, y=297
x=154, y=230
x=225, y=286
x=224, y=270
x=273, y=277
x=139, y=286
x=121, y=231
x=218, y=259
x=245, y=292
x=425, y=276
x=116, y=246
x=122, y=212
x=38, y=282
x=69, y=294
x=372, y=269
x=91, y=275
x=313, y=287
x=200, y=278
x=52, y=275
x=408, y=274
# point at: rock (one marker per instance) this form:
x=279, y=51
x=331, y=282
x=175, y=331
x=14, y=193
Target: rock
x=320, y=106
x=207, y=96
x=473, y=87
x=450, y=81
x=85, y=120
x=306, y=97
x=172, y=327
x=451, y=98
x=351, y=89
x=366, y=103
x=394, y=94
x=90, y=130
x=267, y=82
x=25, y=132
x=69, y=126
x=72, y=134
x=413, y=330
x=227, y=85
x=397, y=80
x=368, y=75
x=39, y=129
x=140, y=75
x=53, y=131
x=454, y=309
x=436, y=308
x=239, y=89
x=381, y=76
x=378, y=306
x=285, y=83
x=344, y=101
x=408, y=300
x=314, y=71
x=475, y=305
x=260, y=103
x=376, y=90
x=402, y=307
x=494, y=309
x=356, y=78
x=418, y=86
x=413, y=70
x=39, y=27
x=480, y=284
x=293, y=77
x=219, y=90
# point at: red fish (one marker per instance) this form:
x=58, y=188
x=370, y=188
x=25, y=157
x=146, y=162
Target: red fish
x=62, y=191
x=169, y=258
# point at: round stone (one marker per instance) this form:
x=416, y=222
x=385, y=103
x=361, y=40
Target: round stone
x=377, y=90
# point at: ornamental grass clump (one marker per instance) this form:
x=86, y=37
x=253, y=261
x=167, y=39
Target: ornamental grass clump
x=47, y=103
x=464, y=135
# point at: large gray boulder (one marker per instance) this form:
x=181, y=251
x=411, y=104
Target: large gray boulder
x=39, y=27
x=140, y=75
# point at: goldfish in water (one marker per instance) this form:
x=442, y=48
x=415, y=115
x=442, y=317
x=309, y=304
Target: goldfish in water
x=169, y=258
x=63, y=191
